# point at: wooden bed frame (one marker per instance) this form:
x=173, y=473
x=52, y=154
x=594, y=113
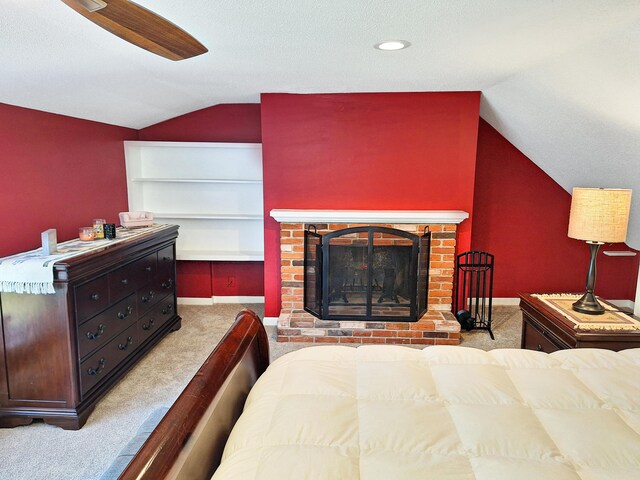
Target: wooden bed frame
x=189, y=441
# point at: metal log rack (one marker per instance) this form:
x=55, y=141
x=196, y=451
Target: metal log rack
x=474, y=290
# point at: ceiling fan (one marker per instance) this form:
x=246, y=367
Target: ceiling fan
x=139, y=26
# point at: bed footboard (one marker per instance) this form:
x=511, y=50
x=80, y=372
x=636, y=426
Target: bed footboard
x=189, y=440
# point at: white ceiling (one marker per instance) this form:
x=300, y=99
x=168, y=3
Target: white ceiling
x=560, y=78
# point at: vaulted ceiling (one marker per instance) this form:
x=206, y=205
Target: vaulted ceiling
x=560, y=79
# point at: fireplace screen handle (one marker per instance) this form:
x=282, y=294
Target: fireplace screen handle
x=309, y=227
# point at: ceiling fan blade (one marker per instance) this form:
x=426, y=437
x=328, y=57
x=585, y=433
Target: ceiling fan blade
x=139, y=26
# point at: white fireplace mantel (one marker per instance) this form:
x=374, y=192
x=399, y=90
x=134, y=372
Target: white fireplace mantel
x=369, y=216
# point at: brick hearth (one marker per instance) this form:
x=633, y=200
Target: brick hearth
x=436, y=327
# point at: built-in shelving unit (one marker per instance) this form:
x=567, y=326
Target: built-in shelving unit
x=212, y=190
x=619, y=253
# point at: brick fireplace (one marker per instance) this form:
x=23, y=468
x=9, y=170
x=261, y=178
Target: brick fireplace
x=436, y=327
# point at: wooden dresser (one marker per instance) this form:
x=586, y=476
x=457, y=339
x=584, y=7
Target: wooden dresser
x=546, y=330
x=60, y=353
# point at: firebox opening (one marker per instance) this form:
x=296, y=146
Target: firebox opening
x=370, y=273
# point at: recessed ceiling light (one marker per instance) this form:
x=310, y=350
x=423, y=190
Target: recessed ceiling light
x=392, y=45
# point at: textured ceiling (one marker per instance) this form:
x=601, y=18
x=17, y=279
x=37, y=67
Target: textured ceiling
x=560, y=78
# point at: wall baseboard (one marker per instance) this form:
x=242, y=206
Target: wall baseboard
x=270, y=321
x=626, y=304
x=273, y=321
x=500, y=301
x=195, y=301
x=213, y=300
x=239, y=299
x=506, y=301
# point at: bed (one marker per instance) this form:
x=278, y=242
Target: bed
x=393, y=412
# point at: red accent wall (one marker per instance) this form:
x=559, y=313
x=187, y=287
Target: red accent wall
x=236, y=123
x=521, y=215
x=224, y=279
x=193, y=279
x=57, y=172
x=320, y=151
x=365, y=151
x=237, y=278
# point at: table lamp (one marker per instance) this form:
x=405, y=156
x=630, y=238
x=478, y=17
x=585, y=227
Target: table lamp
x=598, y=216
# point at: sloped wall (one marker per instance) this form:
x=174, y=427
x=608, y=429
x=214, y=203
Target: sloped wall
x=234, y=123
x=61, y=172
x=521, y=215
x=57, y=172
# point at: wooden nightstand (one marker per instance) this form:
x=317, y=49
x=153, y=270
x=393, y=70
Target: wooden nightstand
x=546, y=330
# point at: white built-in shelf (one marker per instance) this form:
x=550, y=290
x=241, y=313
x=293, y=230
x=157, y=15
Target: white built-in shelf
x=195, y=180
x=213, y=191
x=210, y=216
x=619, y=253
x=219, y=255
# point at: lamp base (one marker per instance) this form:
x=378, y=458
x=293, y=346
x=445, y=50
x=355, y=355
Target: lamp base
x=588, y=304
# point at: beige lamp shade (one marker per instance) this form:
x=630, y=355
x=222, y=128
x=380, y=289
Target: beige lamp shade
x=599, y=214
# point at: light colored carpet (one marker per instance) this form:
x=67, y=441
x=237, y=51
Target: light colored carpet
x=507, y=328
x=43, y=452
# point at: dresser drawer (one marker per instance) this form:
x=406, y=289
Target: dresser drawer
x=98, y=365
x=540, y=339
x=101, y=328
x=165, y=285
x=166, y=263
x=148, y=297
x=91, y=298
x=145, y=269
x=132, y=276
x=149, y=323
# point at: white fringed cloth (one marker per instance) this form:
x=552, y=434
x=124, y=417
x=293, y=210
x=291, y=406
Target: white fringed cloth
x=32, y=272
x=611, y=320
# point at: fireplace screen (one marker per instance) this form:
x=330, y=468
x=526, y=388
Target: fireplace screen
x=366, y=273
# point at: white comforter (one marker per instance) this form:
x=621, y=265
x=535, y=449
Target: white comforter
x=390, y=412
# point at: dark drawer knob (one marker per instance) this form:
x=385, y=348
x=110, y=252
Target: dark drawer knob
x=96, y=371
x=167, y=259
x=125, y=281
x=147, y=268
x=147, y=326
x=99, y=332
x=125, y=345
x=148, y=297
x=95, y=296
x=539, y=348
x=129, y=311
x=167, y=309
x=168, y=284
